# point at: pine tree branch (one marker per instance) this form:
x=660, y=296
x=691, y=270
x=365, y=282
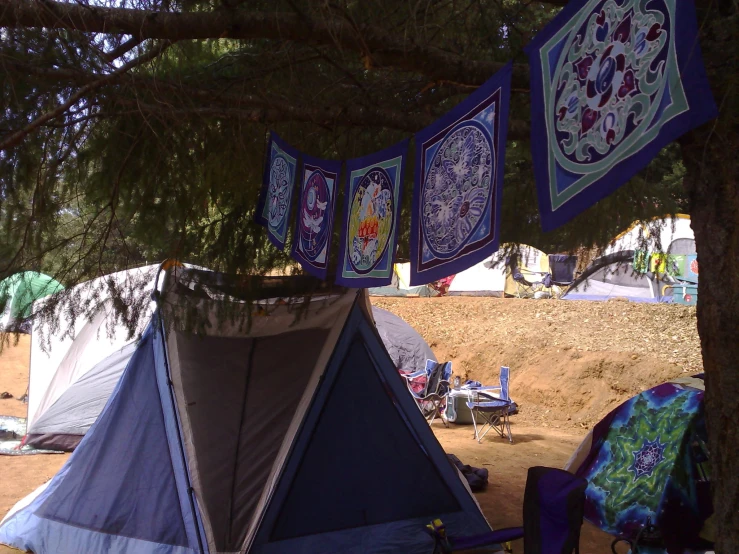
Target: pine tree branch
x=180, y=100
x=17, y=137
x=263, y=112
x=124, y=48
x=377, y=47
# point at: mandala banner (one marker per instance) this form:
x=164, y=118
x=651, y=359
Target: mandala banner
x=275, y=197
x=458, y=184
x=315, y=220
x=370, y=225
x=612, y=83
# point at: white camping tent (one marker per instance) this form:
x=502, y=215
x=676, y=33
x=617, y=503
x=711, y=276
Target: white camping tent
x=487, y=278
x=399, y=285
x=286, y=437
x=75, y=366
x=613, y=276
x=668, y=235
x=492, y=277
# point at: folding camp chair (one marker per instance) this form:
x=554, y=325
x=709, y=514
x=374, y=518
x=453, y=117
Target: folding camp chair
x=562, y=273
x=432, y=399
x=529, y=282
x=494, y=413
x=553, y=508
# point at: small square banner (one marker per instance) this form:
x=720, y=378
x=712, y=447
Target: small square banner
x=315, y=220
x=612, y=83
x=276, y=195
x=458, y=184
x=370, y=226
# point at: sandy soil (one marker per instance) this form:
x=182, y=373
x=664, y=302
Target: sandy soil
x=571, y=362
x=14, y=358
x=502, y=501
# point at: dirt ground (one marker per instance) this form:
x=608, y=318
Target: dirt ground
x=571, y=363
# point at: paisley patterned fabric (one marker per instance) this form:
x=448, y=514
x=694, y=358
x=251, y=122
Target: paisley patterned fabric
x=275, y=197
x=315, y=218
x=645, y=461
x=458, y=184
x=369, y=229
x=612, y=83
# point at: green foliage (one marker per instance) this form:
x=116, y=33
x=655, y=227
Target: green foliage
x=166, y=161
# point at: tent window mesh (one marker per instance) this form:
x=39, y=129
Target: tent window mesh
x=241, y=396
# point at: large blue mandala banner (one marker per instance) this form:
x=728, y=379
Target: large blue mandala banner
x=275, y=197
x=458, y=184
x=315, y=221
x=370, y=227
x=612, y=83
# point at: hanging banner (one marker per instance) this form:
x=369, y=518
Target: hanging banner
x=458, y=184
x=275, y=197
x=370, y=224
x=612, y=83
x=315, y=220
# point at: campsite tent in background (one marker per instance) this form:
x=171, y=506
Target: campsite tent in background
x=492, y=277
x=406, y=347
x=92, y=364
x=613, y=276
x=487, y=278
x=75, y=368
x=668, y=235
x=286, y=437
x=399, y=285
x=18, y=293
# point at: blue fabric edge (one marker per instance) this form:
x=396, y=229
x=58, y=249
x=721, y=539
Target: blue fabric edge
x=702, y=108
x=43, y=526
x=502, y=80
x=328, y=166
x=191, y=515
x=274, y=137
x=398, y=149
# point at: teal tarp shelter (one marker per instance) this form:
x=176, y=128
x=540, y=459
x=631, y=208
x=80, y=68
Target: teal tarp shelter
x=18, y=293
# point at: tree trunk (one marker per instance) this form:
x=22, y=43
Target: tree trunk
x=710, y=155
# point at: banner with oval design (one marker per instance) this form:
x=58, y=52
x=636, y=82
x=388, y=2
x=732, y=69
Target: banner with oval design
x=612, y=83
x=276, y=194
x=315, y=219
x=458, y=184
x=370, y=225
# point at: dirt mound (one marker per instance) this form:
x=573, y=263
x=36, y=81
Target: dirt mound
x=571, y=362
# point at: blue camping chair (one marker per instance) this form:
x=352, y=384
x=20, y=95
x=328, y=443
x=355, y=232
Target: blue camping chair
x=553, y=508
x=562, y=273
x=495, y=412
x=432, y=399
